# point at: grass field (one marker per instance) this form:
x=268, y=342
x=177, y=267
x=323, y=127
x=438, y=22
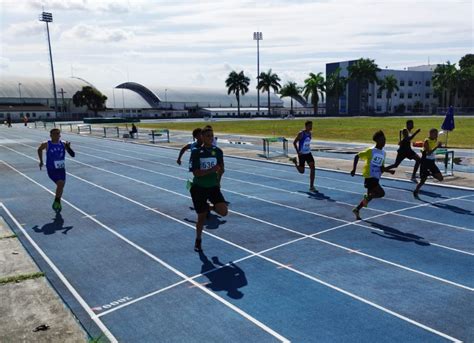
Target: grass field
x=354, y=129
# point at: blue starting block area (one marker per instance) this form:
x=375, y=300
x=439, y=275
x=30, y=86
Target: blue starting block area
x=285, y=265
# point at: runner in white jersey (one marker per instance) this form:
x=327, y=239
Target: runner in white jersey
x=302, y=144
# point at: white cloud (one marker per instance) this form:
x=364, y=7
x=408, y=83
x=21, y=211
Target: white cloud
x=93, y=33
x=4, y=63
x=190, y=42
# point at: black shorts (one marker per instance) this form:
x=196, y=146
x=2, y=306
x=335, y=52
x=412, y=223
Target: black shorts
x=371, y=183
x=201, y=195
x=428, y=167
x=302, y=158
x=402, y=154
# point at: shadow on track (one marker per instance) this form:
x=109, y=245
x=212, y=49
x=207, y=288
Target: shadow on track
x=391, y=233
x=56, y=225
x=224, y=278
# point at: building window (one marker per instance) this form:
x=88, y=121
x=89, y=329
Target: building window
x=2, y=115
x=402, y=83
x=428, y=83
x=410, y=95
x=379, y=95
x=379, y=107
x=410, y=83
x=402, y=95
x=409, y=108
x=47, y=114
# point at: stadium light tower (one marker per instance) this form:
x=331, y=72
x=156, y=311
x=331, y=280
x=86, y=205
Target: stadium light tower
x=258, y=36
x=48, y=18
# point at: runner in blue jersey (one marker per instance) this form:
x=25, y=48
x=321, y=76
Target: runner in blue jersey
x=55, y=163
x=302, y=144
x=191, y=146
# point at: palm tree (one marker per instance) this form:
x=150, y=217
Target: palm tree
x=389, y=84
x=363, y=71
x=314, y=88
x=335, y=87
x=238, y=84
x=445, y=82
x=292, y=91
x=268, y=81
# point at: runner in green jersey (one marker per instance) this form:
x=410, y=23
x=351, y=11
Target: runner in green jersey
x=207, y=165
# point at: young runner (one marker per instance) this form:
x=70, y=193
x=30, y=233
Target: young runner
x=55, y=158
x=405, y=150
x=191, y=146
x=207, y=164
x=302, y=144
x=428, y=165
x=373, y=169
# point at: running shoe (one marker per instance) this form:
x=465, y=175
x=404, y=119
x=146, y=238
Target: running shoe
x=57, y=206
x=356, y=213
x=312, y=189
x=416, y=195
x=197, y=246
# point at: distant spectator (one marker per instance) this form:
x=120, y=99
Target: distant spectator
x=9, y=121
x=134, y=131
x=25, y=120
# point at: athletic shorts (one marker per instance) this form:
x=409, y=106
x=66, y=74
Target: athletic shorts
x=57, y=174
x=201, y=195
x=302, y=158
x=428, y=167
x=371, y=183
x=402, y=154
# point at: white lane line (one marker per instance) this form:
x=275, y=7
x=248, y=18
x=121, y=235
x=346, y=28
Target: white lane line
x=60, y=275
x=347, y=223
x=284, y=228
x=304, y=194
x=148, y=147
x=283, y=266
x=164, y=264
x=243, y=172
x=264, y=186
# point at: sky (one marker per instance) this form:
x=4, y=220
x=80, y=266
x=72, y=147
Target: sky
x=198, y=43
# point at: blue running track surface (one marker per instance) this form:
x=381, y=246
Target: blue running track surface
x=284, y=265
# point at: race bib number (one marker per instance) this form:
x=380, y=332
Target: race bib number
x=59, y=164
x=375, y=166
x=207, y=163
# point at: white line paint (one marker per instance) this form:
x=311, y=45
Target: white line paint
x=285, y=267
x=164, y=264
x=60, y=275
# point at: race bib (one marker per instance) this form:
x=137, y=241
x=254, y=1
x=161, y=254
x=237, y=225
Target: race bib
x=207, y=163
x=59, y=164
x=375, y=166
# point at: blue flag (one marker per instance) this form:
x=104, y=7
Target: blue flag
x=448, y=123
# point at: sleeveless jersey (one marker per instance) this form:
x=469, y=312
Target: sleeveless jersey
x=432, y=144
x=375, y=159
x=55, y=155
x=304, y=144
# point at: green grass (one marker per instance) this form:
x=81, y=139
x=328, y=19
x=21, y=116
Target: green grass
x=8, y=236
x=353, y=129
x=18, y=278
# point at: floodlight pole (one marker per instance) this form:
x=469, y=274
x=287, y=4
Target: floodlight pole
x=19, y=91
x=48, y=18
x=258, y=37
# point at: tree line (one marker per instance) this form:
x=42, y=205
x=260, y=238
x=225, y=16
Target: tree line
x=452, y=85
